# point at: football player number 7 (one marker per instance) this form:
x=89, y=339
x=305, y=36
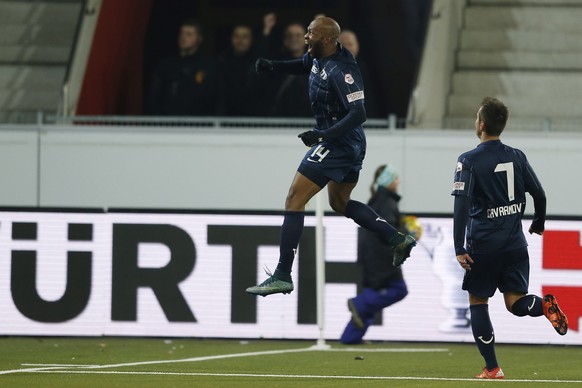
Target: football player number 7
x=508, y=168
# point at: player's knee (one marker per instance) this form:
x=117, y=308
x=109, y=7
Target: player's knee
x=509, y=307
x=338, y=205
x=292, y=205
x=294, y=202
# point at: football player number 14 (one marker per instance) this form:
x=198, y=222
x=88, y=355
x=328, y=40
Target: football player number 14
x=508, y=168
x=318, y=154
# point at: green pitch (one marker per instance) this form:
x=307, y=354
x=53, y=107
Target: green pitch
x=138, y=362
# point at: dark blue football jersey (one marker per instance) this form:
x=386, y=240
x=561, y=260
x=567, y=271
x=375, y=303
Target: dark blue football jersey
x=335, y=85
x=495, y=178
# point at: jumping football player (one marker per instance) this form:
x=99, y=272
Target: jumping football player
x=337, y=147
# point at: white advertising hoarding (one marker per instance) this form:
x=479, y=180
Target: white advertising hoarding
x=184, y=275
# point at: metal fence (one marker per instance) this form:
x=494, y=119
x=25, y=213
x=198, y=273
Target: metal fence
x=537, y=124
x=192, y=122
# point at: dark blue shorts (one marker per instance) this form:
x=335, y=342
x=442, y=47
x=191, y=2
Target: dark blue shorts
x=340, y=163
x=506, y=271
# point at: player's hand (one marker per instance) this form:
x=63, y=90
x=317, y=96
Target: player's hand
x=263, y=64
x=536, y=231
x=310, y=138
x=465, y=261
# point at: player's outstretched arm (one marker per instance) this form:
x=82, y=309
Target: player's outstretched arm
x=294, y=66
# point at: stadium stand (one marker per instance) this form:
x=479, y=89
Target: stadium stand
x=528, y=53
x=36, y=44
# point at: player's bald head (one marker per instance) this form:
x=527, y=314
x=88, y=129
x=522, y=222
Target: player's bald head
x=328, y=27
x=321, y=38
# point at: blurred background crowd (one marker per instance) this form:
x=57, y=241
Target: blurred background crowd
x=198, y=56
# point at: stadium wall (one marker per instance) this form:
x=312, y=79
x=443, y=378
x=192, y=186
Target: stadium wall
x=244, y=169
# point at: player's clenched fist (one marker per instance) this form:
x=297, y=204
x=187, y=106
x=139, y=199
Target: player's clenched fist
x=311, y=138
x=263, y=64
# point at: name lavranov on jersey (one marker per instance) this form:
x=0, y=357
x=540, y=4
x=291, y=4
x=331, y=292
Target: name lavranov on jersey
x=504, y=210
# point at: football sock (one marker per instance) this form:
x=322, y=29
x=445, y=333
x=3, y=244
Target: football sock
x=528, y=305
x=483, y=334
x=285, y=276
x=367, y=218
x=290, y=234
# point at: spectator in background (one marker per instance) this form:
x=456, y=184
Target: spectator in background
x=286, y=94
x=269, y=24
x=350, y=41
x=186, y=84
x=291, y=97
x=237, y=64
x=383, y=283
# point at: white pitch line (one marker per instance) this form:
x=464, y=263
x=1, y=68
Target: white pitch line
x=204, y=358
x=310, y=376
x=234, y=355
x=6, y=372
x=90, y=369
x=193, y=359
x=62, y=365
x=48, y=367
x=388, y=350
